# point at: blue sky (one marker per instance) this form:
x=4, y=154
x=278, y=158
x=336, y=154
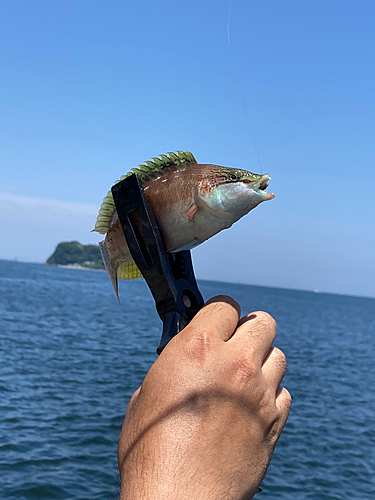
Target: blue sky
x=91, y=89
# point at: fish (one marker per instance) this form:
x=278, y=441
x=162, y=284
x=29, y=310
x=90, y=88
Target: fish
x=191, y=203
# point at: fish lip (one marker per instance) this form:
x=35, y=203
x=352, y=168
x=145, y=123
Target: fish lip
x=261, y=184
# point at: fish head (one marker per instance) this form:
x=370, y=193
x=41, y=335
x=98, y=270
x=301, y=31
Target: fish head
x=230, y=193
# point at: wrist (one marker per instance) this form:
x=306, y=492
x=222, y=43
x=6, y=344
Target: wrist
x=178, y=471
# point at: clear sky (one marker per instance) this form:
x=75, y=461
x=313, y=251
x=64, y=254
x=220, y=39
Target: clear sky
x=90, y=89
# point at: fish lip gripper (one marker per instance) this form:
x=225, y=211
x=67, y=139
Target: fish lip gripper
x=170, y=276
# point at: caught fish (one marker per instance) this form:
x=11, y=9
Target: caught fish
x=191, y=202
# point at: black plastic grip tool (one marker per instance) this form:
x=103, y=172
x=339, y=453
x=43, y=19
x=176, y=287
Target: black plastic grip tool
x=170, y=276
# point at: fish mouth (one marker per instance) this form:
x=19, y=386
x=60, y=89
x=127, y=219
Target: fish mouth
x=262, y=185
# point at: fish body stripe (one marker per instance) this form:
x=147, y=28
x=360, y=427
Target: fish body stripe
x=152, y=170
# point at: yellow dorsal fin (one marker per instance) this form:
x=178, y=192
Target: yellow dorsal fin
x=152, y=169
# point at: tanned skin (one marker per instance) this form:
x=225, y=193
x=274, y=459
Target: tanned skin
x=205, y=422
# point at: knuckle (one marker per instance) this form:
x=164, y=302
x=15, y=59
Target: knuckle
x=266, y=318
x=287, y=398
x=196, y=334
x=274, y=417
x=223, y=305
x=199, y=345
x=133, y=400
x=280, y=358
x=215, y=306
x=222, y=300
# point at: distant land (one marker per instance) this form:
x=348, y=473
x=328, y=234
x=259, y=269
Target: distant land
x=74, y=254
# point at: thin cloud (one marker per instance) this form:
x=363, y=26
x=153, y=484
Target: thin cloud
x=12, y=205
x=32, y=227
x=45, y=213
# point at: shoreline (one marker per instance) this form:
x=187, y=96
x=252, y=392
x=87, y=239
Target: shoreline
x=74, y=266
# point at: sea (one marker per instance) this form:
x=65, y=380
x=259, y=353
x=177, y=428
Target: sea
x=71, y=357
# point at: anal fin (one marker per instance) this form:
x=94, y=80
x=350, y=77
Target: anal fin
x=128, y=271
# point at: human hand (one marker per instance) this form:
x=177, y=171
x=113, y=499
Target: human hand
x=207, y=417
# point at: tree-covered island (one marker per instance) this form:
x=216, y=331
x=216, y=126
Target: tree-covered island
x=74, y=253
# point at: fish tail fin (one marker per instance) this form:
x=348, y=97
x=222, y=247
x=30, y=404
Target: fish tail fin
x=112, y=273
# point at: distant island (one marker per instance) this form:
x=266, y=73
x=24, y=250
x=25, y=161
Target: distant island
x=74, y=254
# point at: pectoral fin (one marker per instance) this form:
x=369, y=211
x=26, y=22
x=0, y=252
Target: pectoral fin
x=190, y=214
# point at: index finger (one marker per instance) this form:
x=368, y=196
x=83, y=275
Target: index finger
x=218, y=319
x=256, y=332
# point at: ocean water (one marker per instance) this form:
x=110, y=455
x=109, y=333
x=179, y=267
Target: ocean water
x=70, y=358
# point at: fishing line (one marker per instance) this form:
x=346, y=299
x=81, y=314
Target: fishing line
x=228, y=23
x=244, y=103
x=250, y=129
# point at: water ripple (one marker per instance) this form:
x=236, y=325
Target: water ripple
x=71, y=357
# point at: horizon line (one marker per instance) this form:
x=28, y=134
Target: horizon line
x=315, y=291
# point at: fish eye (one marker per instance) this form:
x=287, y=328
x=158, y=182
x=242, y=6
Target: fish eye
x=234, y=176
